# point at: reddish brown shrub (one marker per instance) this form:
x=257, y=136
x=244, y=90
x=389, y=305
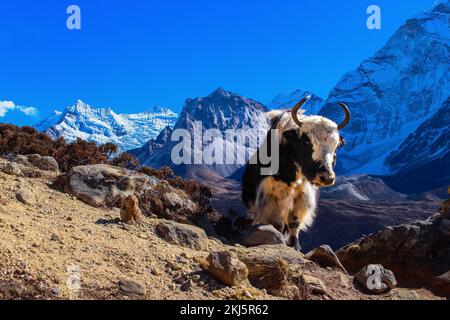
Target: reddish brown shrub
x=125, y=160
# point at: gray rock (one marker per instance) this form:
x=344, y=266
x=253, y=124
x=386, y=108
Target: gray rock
x=44, y=163
x=263, y=235
x=55, y=291
x=26, y=197
x=104, y=185
x=182, y=234
x=376, y=279
x=12, y=169
x=55, y=238
x=325, y=257
x=132, y=288
x=226, y=267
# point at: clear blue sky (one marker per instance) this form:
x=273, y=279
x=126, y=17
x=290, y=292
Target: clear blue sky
x=134, y=54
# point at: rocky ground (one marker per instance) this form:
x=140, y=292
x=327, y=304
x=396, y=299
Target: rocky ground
x=54, y=246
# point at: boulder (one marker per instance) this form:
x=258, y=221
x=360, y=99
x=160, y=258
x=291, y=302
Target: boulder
x=276, y=268
x=41, y=162
x=376, y=279
x=226, y=267
x=130, y=211
x=262, y=258
x=182, y=234
x=325, y=257
x=104, y=185
x=262, y=235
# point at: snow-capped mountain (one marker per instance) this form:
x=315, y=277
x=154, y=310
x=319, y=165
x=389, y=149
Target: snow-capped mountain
x=392, y=93
x=103, y=125
x=423, y=159
x=221, y=111
x=285, y=101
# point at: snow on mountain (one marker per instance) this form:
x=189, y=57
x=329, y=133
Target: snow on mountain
x=392, y=93
x=423, y=160
x=285, y=101
x=221, y=111
x=103, y=125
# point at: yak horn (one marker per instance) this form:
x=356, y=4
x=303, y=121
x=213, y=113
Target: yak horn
x=296, y=108
x=347, y=116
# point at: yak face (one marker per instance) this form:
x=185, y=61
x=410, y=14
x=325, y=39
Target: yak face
x=314, y=147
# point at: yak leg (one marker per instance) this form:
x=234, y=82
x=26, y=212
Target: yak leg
x=294, y=233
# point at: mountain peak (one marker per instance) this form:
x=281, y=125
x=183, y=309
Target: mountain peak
x=220, y=92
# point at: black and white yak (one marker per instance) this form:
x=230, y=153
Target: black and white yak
x=287, y=199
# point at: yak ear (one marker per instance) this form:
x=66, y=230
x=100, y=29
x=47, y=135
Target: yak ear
x=342, y=142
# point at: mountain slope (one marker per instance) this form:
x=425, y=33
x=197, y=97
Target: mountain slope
x=285, y=101
x=423, y=159
x=128, y=131
x=221, y=111
x=392, y=93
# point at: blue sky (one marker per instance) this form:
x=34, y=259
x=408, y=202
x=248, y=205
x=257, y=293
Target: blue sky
x=132, y=55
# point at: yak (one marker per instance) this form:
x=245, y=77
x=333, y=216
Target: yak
x=287, y=198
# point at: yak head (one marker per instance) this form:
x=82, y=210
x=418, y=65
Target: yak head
x=311, y=142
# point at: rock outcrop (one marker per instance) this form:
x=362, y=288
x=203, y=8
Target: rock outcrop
x=31, y=166
x=107, y=186
x=418, y=253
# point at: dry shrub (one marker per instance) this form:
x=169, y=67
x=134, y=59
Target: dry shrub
x=198, y=192
x=27, y=140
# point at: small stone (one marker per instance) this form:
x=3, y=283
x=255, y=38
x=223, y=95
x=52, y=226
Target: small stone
x=55, y=237
x=196, y=277
x=316, y=285
x=375, y=279
x=263, y=235
x=155, y=271
x=55, y=291
x=132, y=288
x=25, y=197
x=226, y=267
x=130, y=211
